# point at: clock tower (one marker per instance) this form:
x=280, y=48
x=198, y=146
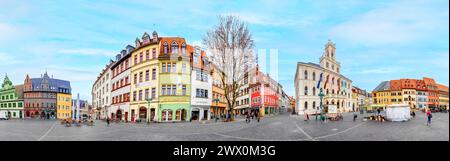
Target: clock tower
x=328, y=59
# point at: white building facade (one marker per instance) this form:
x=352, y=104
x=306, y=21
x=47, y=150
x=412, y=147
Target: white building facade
x=101, y=92
x=121, y=86
x=422, y=99
x=335, y=87
x=201, y=87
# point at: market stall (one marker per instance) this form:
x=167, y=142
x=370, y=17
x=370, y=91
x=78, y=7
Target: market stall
x=398, y=112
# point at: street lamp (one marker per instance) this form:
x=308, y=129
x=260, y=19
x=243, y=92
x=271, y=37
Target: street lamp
x=321, y=95
x=149, y=100
x=217, y=104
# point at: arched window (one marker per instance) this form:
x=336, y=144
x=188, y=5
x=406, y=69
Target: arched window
x=306, y=105
x=306, y=74
x=175, y=47
x=314, y=76
x=314, y=105
x=306, y=90
x=314, y=91
x=332, y=91
x=183, y=48
x=166, y=48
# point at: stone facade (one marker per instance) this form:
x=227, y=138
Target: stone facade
x=311, y=78
x=40, y=96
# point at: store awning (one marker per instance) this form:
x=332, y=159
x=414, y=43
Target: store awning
x=242, y=107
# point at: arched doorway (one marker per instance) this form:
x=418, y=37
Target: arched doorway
x=195, y=114
x=152, y=114
x=142, y=113
x=178, y=115
x=20, y=114
x=27, y=114
x=119, y=114
x=183, y=114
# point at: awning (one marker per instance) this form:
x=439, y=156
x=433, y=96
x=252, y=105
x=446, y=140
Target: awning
x=371, y=107
x=242, y=107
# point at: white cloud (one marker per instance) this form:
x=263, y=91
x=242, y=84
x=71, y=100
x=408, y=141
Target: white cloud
x=101, y=52
x=268, y=19
x=9, y=32
x=8, y=59
x=402, y=22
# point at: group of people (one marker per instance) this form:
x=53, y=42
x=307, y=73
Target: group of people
x=250, y=114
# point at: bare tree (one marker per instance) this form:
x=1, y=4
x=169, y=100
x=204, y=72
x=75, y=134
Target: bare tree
x=230, y=46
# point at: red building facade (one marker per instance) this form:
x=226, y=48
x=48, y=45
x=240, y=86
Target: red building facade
x=263, y=93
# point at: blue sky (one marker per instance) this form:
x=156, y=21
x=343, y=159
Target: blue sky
x=375, y=40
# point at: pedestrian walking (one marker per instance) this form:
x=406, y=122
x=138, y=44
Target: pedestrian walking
x=107, y=122
x=257, y=116
x=354, y=116
x=306, y=117
x=429, y=116
x=247, y=117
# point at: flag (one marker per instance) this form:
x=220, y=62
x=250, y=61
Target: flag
x=320, y=80
x=326, y=81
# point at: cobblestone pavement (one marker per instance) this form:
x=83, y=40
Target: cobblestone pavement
x=283, y=127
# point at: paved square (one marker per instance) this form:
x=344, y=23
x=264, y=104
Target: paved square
x=282, y=127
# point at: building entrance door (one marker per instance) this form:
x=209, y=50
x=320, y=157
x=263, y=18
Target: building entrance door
x=133, y=113
x=152, y=114
x=119, y=115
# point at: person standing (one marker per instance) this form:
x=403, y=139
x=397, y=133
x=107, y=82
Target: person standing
x=429, y=116
x=107, y=122
x=257, y=116
x=247, y=116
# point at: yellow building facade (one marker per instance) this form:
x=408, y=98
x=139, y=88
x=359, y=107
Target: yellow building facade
x=395, y=97
x=144, y=79
x=382, y=98
x=63, y=105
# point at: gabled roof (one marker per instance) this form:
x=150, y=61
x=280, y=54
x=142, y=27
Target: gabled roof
x=57, y=83
x=383, y=86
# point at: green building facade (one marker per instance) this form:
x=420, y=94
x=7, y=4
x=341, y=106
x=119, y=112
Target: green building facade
x=11, y=99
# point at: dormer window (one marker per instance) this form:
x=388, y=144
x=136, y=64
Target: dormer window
x=166, y=47
x=196, y=58
x=175, y=47
x=138, y=43
x=183, y=48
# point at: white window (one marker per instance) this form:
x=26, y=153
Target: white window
x=183, y=69
x=174, y=47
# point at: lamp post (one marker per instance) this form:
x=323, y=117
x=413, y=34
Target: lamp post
x=217, y=104
x=321, y=95
x=149, y=100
